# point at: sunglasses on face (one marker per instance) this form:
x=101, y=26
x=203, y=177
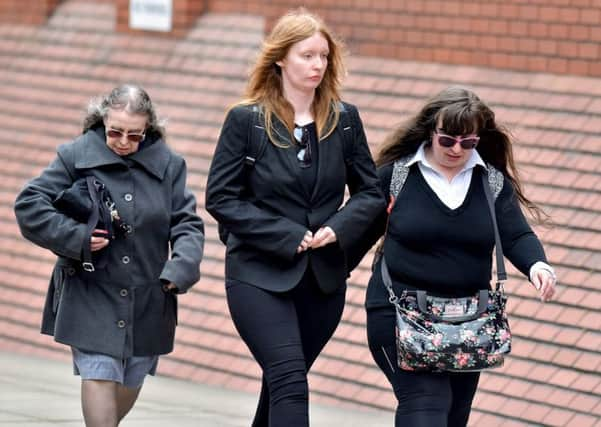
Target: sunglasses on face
x=131, y=137
x=301, y=135
x=467, y=142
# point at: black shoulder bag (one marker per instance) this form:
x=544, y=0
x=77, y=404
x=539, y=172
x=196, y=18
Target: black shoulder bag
x=89, y=201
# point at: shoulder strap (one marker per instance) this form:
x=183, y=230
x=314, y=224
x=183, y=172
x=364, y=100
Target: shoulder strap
x=256, y=141
x=257, y=137
x=346, y=127
x=495, y=180
x=400, y=171
x=87, y=264
x=488, y=191
x=100, y=213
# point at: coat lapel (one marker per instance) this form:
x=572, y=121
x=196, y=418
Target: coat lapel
x=154, y=158
x=96, y=153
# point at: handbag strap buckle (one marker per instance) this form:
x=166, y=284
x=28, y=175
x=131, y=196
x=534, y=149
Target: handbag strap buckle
x=88, y=266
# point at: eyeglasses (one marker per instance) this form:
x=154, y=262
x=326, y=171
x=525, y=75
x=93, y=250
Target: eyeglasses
x=131, y=137
x=301, y=135
x=467, y=143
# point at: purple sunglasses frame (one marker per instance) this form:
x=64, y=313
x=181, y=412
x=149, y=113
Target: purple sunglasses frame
x=463, y=141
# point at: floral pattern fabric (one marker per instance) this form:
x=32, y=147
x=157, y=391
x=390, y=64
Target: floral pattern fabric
x=429, y=339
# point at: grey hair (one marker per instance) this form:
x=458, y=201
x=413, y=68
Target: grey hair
x=129, y=97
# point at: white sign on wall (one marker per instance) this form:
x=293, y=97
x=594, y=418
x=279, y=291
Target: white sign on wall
x=154, y=15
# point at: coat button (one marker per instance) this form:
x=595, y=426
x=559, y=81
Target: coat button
x=121, y=323
x=70, y=271
x=125, y=259
x=123, y=292
x=128, y=197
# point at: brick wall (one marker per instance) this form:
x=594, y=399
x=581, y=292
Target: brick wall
x=556, y=36
x=32, y=12
x=184, y=15
x=553, y=376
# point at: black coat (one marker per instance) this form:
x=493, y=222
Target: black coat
x=268, y=223
x=120, y=310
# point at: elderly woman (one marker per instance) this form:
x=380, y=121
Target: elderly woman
x=119, y=312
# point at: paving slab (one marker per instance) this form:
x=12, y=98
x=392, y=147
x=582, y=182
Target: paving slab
x=38, y=392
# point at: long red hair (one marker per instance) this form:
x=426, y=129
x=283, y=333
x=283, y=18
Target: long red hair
x=265, y=83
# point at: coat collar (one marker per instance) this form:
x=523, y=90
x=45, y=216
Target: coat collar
x=154, y=158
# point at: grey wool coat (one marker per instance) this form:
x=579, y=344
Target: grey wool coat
x=121, y=309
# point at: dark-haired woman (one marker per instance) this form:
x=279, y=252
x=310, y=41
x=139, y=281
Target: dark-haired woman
x=440, y=238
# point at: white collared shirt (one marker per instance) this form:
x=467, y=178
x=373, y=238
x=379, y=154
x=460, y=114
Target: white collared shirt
x=452, y=193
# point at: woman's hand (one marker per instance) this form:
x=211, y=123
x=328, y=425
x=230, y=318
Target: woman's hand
x=305, y=243
x=98, y=242
x=544, y=281
x=323, y=236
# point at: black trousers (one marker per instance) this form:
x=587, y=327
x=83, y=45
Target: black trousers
x=285, y=332
x=424, y=399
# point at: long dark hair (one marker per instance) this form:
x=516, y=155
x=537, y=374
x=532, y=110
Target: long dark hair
x=129, y=97
x=461, y=112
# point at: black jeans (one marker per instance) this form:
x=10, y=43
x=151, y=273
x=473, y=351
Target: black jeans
x=285, y=332
x=424, y=399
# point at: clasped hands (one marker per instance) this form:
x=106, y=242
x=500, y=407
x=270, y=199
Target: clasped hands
x=323, y=236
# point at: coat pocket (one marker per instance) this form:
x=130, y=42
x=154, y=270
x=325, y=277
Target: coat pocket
x=170, y=304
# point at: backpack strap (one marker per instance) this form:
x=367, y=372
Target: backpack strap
x=400, y=171
x=345, y=124
x=257, y=137
x=256, y=142
x=495, y=180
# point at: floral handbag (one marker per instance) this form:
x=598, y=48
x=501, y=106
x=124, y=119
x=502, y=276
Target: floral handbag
x=452, y=334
